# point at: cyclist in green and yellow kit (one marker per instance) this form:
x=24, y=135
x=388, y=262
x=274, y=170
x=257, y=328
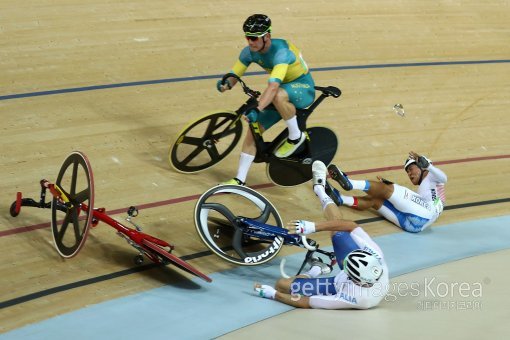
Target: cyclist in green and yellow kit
x=290, y=86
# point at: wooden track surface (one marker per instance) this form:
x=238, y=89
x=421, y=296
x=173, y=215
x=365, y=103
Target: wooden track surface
x=453, y=112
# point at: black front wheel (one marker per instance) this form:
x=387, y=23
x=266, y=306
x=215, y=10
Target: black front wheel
x=205, y=142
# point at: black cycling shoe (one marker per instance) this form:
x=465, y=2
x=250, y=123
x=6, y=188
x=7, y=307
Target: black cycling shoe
x=333, y=194
x=337, y=174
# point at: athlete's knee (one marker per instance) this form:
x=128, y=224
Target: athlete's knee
x=380, y=190
x=281, y=97
x=377, y=203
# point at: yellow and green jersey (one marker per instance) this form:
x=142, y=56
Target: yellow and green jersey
x=283, y=62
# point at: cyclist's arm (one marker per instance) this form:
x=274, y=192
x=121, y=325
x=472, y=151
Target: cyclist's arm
x=293, y=300
x=282, y=59
x=238, y=69
x=277, y=75
x=335, y=225
x=240, y=66
x=307, y=227
x=268, y=95
x=438, y=174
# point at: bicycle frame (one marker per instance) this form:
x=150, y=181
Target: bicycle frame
x=208, y=140
x=265, y=150
x=150, y=246
x=279, y=236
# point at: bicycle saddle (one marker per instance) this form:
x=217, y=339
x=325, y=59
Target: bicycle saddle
x=329, y=91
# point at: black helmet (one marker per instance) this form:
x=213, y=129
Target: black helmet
x=257, y=25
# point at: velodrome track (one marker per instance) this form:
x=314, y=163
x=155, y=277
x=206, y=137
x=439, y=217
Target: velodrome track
x=119, y=80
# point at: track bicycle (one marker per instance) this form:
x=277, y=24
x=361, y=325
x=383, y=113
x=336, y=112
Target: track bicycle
x=210, y=139
x=72, y=215
x=241, y=226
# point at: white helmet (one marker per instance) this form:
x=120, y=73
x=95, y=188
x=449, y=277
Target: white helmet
x=362, y=267
x=408, y=162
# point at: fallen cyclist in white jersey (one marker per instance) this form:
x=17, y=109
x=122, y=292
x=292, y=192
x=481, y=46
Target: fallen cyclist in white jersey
x=363, y=281
x=411, y=211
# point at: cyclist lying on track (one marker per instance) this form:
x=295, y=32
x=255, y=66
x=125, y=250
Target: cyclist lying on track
x=290, y=86
x=411, y=211
x=363, y=281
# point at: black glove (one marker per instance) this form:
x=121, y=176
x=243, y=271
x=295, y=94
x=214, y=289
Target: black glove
x=385, y=181
x=423, y=162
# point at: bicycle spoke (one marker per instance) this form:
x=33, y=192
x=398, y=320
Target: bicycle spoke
x=211, y=126
x=63, y=229
x=192, y=141
x=264, y=216
x=237, y=243
x=76, y=224
x=225, y=120
x=222, y=210
x=213, y=152
x=224, y=133
x=82, y=196
x=192, y=155
x=74, y=178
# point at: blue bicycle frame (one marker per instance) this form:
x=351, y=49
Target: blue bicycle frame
x=268, y=232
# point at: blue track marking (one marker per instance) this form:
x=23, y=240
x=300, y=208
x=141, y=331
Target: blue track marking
x=218, y=76
x=195, y=310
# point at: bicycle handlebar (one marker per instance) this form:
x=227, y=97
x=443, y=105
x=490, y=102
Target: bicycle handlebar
x=282, y=269
x=306, y=244
x=246, y=89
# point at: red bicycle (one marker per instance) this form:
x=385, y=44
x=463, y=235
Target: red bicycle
x=72, y=214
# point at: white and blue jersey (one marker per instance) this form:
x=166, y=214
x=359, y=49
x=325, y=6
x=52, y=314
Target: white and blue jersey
x=413, y=212
x=340, y=292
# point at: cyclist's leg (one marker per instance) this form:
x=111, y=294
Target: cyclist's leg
x=267, y=118
x=361, y=202
x=246, y=158
x=299, y=94
x=343, y=243
x=376, y=189
x=407, y=210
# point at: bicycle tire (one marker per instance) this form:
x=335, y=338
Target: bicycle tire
x=297, y=169
x=69, y=241
x=231, y=244
x=196, y=147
